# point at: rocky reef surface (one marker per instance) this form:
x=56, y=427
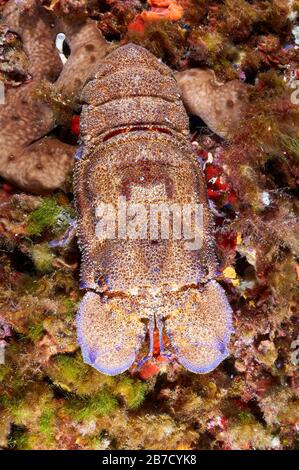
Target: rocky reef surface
x=49, y=399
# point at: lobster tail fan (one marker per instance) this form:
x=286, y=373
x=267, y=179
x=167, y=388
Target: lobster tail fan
x=199, y=328
x=110, y=332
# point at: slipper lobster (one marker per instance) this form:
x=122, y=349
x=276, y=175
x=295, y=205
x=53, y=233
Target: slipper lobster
x=135, y=154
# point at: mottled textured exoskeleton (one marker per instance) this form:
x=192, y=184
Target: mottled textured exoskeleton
x=135, y=145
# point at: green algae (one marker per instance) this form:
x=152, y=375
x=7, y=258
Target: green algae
x=291, y=144
x=35, y=332
x=42, y=257
x=133, y=392
x=46, y=424
x=49, y=215
x=84, y=408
